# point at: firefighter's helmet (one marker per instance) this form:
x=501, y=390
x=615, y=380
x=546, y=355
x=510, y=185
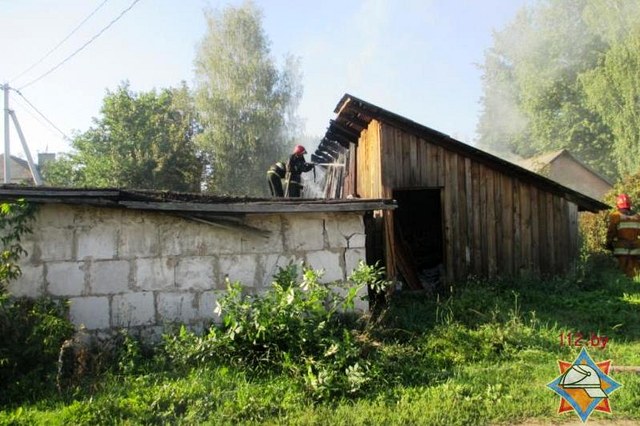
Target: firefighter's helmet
x=299, y=149
x=623, y=201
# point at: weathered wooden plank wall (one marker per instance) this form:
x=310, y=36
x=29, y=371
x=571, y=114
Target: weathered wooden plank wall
x=368, y=180
x=494, y=224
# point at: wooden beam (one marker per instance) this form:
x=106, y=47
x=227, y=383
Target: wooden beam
x=339, y=138
x=332, y=147
x=320, y=158
x=336, y=146
x=331, y=150
x=352, y=120
x=346, y=131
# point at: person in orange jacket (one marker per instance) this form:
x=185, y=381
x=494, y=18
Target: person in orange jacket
x=623, y=236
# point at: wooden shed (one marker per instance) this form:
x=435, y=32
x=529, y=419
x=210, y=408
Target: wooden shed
x=461, y=211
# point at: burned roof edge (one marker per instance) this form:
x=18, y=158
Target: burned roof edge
x=369, y=110
x=187, y=202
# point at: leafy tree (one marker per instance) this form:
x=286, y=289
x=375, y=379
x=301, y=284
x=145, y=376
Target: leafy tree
x=613, y=89
x=15, y=222
x=612, y=19
x=247, y=104
x=533, y=99
x=502, y=125
x=142, y=140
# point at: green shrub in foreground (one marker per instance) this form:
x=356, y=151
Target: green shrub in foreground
x=31, y=333
x=301, y=328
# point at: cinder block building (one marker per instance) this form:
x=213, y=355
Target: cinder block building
x=142, y=259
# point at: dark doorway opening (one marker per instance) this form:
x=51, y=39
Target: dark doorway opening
x=374, y=238
x=418, y=238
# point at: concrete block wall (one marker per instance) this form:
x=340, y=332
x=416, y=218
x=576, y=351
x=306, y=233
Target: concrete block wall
x=123, y=268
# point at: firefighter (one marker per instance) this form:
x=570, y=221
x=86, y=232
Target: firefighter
x=275, y=174
x=295, y=167
x=623, y=236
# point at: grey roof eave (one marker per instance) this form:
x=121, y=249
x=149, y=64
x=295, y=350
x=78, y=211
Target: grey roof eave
x=195, y=203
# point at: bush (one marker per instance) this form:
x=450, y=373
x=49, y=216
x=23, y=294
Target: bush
x=593, y=233
x=296, y=328
x=15, y=221
x=31, y=333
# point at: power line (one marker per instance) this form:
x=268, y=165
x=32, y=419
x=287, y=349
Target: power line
x=83, y=46
x=41, y=114
x=59, y=44
x=23, y=106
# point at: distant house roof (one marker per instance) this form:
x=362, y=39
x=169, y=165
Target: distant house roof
x=538, y=163
x=20, y=161
x=21, y=174
x=354, y=115
x=562, y=167
x=187, y=203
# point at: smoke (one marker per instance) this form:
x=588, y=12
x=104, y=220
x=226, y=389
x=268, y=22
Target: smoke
x=613, y=20
x=370, y=23
x=314, y=184
x=530, y=75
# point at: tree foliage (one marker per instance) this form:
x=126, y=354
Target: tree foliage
x=563, y=74
x=246, y=103
x=141, y=140
x=15, y=222
x=613, y=90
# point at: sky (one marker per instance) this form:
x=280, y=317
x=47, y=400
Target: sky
x=416, y=58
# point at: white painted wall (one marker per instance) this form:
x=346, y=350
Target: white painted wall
x=123, y=268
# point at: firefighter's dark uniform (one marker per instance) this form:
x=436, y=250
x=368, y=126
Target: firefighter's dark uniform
x=275, y=174
x=295, y=167
x=623, y=237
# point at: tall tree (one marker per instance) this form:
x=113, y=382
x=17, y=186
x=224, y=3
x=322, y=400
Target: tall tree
x=613, y=88
x=502, y=126
x=141, y=140
x=531, y=80
x=246, y=103
x=614, y=91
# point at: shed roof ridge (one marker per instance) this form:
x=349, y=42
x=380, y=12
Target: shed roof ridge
x=355, y=106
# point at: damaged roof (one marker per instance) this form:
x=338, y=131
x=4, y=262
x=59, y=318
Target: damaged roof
x=354, y=116
x=178, y=202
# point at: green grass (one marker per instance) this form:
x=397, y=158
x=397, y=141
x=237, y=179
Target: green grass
x=481, y=355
